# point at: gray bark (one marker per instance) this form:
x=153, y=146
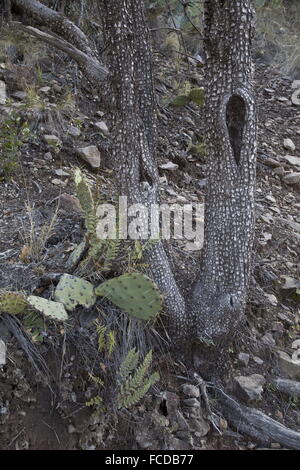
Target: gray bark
x=216, y=304
x=134, y=125
x=219, y=295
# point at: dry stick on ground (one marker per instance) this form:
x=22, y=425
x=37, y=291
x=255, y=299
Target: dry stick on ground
x=91, y=67
x=63, y=35
x=289, y=387
x=256, y=424
x=55, y=22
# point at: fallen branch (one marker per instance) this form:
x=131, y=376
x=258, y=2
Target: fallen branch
x=289, y=387
x=256, y=424
x=56, y=22
x=91, y=67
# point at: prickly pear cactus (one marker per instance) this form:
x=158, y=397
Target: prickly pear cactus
x=72, y=291
x=181, y=100
x=13, y=302
x=134, y=293
x=53, y=310
x=197, y=96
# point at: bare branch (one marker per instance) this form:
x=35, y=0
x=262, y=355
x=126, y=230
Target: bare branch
x=56, y=22
x=92, y=68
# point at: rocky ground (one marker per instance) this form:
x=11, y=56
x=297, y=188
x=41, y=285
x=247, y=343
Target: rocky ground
x=43, y=407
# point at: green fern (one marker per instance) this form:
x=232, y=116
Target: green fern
x=134, y=388
x=96, y=380
x=106, y=339
x=100, y=329
x=95, y=401
x=111, y=342
x=128, y=365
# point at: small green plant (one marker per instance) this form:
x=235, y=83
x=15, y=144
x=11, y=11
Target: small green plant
x=133, y=386
x=106, y=339
x=34, y=324
x=188, y=95
x=13, y=134
x=101, y=253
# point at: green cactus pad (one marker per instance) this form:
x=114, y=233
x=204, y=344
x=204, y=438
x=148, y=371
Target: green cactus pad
x=197, y=96
x=72, y=291
x=53, y=310
x=181, y=100
x=134, y=293
x=13, y=302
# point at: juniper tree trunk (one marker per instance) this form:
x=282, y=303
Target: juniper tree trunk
x=133, y=109
x=216, y=304
x=219, y=295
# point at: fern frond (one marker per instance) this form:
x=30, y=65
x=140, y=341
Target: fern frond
x=95, y=401
x=136, y=386
x=111, y=342
x=129, y=397
x=101, y=329
x=96, y=380
x=129, y=364
x=110, y=254
x=136, y=381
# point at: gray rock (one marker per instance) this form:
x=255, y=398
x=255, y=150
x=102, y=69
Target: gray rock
x=292, y=160
x=74, y=131
x=258, y=360
x=19, y=95
x=2, y=353
x=45, y=89
x=101, y=125
x=182, y=422
x=289, y=366
x=268, y=339
x=244, y=358
x=91, y=155
x=69, y=203
x=60, y=172
x=289, y=144
x=250, y=387
x=169, y=166
x=191, y=402
x=57, y=88
x=172, y=402
x=279, y=171
x=292, y=178
x=51, y=139
x=295, y=84
x=190, y=390
x=48, y=156
x=199, y=425
x=2, y=92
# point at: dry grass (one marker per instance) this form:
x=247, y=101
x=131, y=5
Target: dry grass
x=278, y=35
x=35, y=236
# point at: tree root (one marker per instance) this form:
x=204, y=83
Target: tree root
x=256, y=424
